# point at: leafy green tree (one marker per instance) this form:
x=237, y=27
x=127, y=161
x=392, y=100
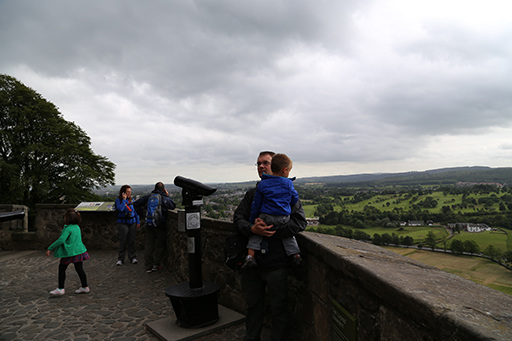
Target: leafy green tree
x=507, y=255
x=387, y=239
x=471, y=246
x=408, y=241
x=43, y=157
x=385, y=221
x=394, y=239
x=430, y=240
x=377, y=239
x=361, y=235
x=349, y=233
x=494, y=252
x=457, y=247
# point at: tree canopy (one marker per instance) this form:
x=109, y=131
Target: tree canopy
x=43, y=157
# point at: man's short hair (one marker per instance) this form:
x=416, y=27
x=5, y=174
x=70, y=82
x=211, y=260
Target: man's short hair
x=159, y=186
x=279, y=161
x=267, y=152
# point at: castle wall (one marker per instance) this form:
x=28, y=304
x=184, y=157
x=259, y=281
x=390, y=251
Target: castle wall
x=388, y=296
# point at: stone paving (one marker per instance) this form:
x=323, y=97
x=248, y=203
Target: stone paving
x=122, y=300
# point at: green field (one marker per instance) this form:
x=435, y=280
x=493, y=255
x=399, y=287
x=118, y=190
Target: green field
x=381, y=202
x=479, y=270
x=418, y=233
x=484, y=239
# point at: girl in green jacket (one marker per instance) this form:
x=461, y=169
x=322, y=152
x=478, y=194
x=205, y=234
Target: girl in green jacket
x=70, y=249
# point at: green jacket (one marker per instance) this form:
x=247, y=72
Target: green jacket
x=69, y=243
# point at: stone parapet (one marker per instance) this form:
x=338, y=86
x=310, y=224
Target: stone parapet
x=389, y=297
x=393, y=297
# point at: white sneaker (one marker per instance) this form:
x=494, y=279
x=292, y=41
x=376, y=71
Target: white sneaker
x=58, y=292
x=134, y=261
x=81, y=290
x=119, y=263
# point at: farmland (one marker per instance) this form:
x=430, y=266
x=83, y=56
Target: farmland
x=480, y=270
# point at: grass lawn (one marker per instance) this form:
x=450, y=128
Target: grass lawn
x=418, y=233
x=309, y=210
x=479, y=270
x=484, y=239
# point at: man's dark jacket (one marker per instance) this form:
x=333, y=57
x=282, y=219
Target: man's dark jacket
x=276, y=257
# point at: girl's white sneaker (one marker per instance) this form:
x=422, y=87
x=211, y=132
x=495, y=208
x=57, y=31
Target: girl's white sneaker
x=81, y=290
x=58, y=292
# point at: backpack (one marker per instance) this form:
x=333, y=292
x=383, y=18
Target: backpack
x=235, y=251
x=154, y=215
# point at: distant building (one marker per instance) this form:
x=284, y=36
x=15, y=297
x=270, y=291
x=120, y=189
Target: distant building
x=477, y=228
x=415, y=223
x=313, y=221
x=470, y=227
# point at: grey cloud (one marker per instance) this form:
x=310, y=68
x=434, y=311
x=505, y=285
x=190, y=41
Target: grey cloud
x=216, y=81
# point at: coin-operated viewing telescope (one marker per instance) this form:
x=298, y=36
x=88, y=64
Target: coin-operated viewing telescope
x=193, y=190
x=195, y=302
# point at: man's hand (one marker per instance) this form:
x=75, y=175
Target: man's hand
x=48, y=253
x=262, y=229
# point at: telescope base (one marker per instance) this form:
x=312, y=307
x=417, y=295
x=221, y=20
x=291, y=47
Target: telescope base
x=194, y=308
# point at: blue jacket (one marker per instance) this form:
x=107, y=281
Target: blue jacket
x=274, y=195
x=126, y=213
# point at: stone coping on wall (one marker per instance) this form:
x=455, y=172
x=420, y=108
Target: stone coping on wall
x=423, y=292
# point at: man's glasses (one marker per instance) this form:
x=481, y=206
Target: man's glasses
x=264, y=163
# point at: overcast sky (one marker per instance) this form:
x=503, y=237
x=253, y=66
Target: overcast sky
x=199, y=88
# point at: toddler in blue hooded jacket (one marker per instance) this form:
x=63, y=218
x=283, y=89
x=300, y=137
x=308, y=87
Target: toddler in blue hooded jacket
x=273, y=200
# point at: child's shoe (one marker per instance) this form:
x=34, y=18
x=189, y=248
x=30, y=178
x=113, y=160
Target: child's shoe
x=81, y=290
x=249, y=262
x=58, y=292
x=297, y=261
x=119, y=263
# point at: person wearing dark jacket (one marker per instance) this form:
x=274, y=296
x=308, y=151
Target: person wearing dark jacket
x=273, y=266
x=155, y=236
x=127, y=222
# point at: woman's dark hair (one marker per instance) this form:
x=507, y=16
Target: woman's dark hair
x=122, y=190
x=72, y=217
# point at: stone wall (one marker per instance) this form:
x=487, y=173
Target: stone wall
x=389, y=297
x=99, y=230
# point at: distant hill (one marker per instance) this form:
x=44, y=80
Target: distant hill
x=442, y=176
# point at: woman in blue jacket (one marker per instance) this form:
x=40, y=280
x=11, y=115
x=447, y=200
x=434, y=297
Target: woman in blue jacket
x=127, y=222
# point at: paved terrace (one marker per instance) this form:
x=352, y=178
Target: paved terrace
x=123, y=299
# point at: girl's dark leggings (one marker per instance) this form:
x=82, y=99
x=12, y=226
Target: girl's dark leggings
x=79, y=267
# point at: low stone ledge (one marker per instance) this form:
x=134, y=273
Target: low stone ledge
x=439, y=304
x=23, y=237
